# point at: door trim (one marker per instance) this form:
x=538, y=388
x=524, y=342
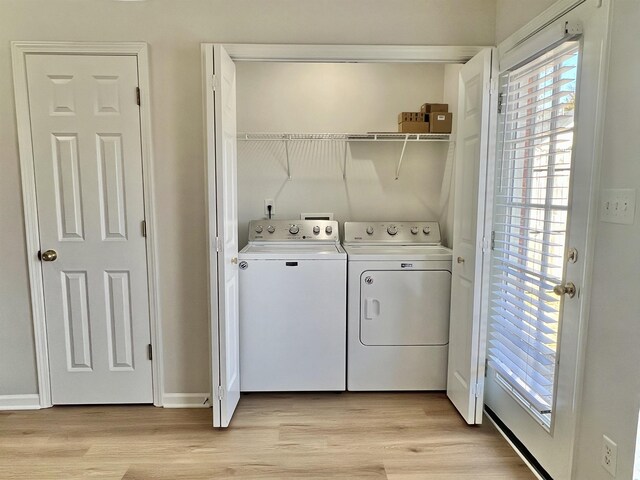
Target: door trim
x=19, y=51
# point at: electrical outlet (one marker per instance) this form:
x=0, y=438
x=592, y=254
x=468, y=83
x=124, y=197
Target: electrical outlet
x=269, y=202
x=609, y=455
x=618, y=205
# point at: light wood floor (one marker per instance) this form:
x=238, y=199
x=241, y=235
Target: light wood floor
x=349, y=435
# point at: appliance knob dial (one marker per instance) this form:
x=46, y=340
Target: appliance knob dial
x=316, y=230
x=369, y=230
x=294, y=229
x=392, y=230
x=414, y=230
x=259, y=229
x=426, y=230
x=271, y=229
x=328, y=230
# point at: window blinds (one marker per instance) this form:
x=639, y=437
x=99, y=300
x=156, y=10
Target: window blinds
x=530, y=222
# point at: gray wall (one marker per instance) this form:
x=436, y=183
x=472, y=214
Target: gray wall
x=611, y=395
x=174, y=30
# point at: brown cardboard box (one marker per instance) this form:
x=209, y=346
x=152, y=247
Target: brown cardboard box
x=440, y=122
x=434, y=107
x=410, y=117
x=413, y=127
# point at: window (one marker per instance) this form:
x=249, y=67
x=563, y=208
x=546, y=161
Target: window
x=530, y=224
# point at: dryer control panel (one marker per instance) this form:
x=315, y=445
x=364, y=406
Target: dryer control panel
x=325, y=231
x=399, y=233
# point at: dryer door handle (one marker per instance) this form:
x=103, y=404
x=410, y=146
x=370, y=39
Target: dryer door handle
x=371, y=308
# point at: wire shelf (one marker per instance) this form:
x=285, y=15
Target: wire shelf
x=348, y=137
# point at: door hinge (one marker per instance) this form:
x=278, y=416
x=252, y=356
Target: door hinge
x=493, y=240
x=485, y=245
x=214, y=82
x=500, y=102
x=493, y=86
x=220, y=394
x=149, y=352
x=143, y=226
x=486, y=366
x=217, y=244
x=138, y=95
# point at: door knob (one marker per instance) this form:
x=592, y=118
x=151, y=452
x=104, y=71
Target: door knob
x=566, y=289
x=234, y=260
x=49, y=256
x=460, y=259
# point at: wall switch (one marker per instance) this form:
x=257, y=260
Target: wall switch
x=618, y=205
x=267, y=202
x=609, y=456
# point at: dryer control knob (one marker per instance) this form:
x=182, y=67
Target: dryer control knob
x=392, y=230
x=259, y=229
x=369, y=230
x=316, y=230
x=414, y=230
x=328, y=230
x=271, y=229
x=426, y=230
x=294, y=229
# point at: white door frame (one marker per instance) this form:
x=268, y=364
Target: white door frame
x=140, y=50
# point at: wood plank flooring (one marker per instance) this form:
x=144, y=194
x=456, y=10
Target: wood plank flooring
x=395, y=436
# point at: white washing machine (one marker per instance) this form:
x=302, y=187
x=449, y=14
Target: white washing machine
x=399, y=291
x=293, y=277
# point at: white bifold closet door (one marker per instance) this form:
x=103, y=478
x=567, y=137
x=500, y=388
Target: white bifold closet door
x=222, y=234
x=467, y=345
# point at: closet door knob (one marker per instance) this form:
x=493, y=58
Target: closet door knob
x=460, y=259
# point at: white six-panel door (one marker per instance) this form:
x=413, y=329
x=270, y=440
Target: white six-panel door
x=220, y=96
x=467, y=344
x=85, y=126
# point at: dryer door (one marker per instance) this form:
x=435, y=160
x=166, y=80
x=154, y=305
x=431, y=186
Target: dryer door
x=405, y=307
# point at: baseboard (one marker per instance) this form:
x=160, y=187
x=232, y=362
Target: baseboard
x=185, y=400
x=20, y=402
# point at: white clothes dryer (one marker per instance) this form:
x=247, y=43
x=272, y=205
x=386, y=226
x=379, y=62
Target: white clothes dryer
x=293, y=307
x=399, y=292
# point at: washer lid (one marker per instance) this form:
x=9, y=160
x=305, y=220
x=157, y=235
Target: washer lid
x=397, y=252
x=292, y=251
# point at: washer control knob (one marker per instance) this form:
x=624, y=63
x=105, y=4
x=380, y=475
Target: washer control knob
x=392, y=230
x=329, y=230
x=414, y=230
x=259, y=229
x=271, y=229
x=316, y=230
x=426, y=230
x=369, y=230
x=293, y=229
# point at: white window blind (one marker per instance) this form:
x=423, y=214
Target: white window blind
x=530, y=223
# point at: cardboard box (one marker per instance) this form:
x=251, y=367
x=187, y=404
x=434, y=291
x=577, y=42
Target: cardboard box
x=413, y=127
x=440, y=122
x=434, y=107
x=410, y=117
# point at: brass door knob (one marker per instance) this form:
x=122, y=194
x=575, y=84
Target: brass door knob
x=566, y=289
x=49, y=256
x=460, y=259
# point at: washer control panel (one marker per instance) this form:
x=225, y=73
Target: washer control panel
x=293, y=230
x=403, y=233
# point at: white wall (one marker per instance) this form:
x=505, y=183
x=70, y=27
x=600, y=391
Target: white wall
x=174, y=29
x=513, y=14
x=336, y=98
x=611, y=396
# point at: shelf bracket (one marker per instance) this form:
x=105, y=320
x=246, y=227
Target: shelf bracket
x=344, y=163
x=404, y=146
x=286, y=149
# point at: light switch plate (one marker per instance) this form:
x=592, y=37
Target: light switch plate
x=618, y=205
